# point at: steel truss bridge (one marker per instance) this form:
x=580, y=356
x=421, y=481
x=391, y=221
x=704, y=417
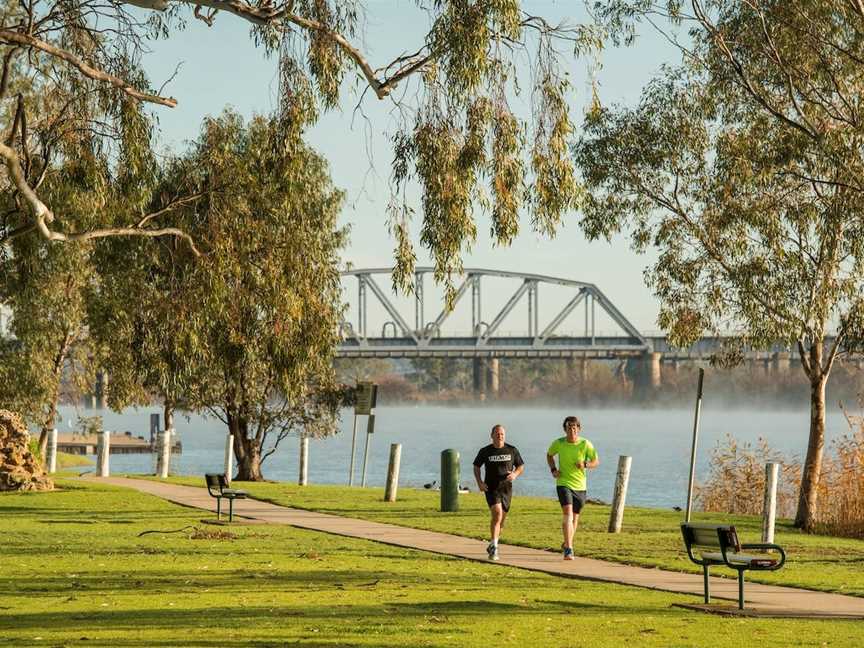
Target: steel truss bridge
x=397, y=338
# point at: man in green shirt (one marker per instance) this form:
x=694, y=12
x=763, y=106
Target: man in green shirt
x=575, y=457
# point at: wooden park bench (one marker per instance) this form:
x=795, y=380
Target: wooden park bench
x=717, y=544
x=217, y=486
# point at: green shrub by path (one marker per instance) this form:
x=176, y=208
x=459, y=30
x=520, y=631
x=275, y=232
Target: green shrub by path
x=76, y=572
x=650, y=537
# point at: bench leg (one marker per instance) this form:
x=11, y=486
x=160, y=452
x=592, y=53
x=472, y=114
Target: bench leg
x=218, y=508
x=230, y=509
x=740, y=589
x=707, y=586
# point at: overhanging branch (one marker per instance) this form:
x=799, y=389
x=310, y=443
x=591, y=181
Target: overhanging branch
x=87, y=70
x=43, y=217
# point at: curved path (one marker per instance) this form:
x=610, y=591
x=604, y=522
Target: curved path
x=761, y=600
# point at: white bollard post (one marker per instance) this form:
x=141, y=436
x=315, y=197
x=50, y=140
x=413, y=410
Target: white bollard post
x=622, y=478
x=304, y=460
x=51, y=459
x=769, y=507
x=393, y=472
x=165, y=453
x=104, y=452
x=229, y=457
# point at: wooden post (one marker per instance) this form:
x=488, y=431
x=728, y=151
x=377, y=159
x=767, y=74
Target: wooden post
x=103, y=453
x=229, y=457
x=51, y=459
x=769, y=507
x=165, y=453
x=393, y=472
x=304, y=460
x=616, y=516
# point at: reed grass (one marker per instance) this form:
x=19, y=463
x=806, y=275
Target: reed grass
x=736, y=483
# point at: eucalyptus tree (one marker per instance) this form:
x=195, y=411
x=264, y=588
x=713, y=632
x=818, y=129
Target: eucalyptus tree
x=743, y=167
x=266, y=304
x=456, y=131
x=46, y=289
x=143, y=313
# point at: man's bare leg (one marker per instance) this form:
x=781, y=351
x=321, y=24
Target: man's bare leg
x=496, y=522
x=567, y=525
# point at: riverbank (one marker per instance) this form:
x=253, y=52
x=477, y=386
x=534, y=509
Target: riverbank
x=77, y=569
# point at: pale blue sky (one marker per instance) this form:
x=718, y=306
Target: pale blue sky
x=221, y=66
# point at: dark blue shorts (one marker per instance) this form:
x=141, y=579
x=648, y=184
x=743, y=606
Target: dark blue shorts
x=574, y=498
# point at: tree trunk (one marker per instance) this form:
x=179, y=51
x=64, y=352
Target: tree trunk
x=168, y=407
x=812, y=471
x=246, y=450
x=57, y=371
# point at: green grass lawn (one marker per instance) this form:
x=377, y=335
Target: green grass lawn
x=75, y=572
x=651, y=537
x=68, y=460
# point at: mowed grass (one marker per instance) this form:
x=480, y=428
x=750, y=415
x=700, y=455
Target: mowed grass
x=650, y=537
x=76, y=572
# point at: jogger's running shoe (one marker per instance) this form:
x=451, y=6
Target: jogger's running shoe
x=492, y=551
x=568, y=553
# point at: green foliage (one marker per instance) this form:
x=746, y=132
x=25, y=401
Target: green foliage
x=89, y=425
x=267, y=305
x=742, y=167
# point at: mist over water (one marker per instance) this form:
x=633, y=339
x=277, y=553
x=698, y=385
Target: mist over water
x=657, y=439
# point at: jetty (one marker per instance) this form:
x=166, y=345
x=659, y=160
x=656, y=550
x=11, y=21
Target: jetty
x=121, y=443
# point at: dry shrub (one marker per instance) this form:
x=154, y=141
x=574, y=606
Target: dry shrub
x=736, y=483
x=841, y=489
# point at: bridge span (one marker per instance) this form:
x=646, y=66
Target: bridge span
x=426, y=338
x=486, y=342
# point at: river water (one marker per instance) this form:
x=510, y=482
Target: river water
x=657, y=439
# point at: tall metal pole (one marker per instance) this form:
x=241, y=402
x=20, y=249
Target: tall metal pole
x=370, y=426
x=693, y=448
x=353, y=450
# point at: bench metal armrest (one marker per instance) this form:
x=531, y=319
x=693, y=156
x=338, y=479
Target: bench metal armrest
x=764, y=546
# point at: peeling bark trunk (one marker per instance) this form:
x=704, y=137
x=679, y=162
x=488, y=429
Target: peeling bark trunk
x=48, y=422
x=812, y=470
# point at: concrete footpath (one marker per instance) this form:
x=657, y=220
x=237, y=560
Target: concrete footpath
x=761, y=600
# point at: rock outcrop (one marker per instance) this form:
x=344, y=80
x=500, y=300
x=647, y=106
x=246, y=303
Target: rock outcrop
x=19, y=469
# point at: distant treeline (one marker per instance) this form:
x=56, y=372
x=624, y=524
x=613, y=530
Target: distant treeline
x=600, y=382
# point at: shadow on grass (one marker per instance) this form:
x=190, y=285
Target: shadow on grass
x=255, y=620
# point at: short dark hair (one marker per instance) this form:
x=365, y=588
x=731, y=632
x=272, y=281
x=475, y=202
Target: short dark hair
x=495, y=427
x=571, y=419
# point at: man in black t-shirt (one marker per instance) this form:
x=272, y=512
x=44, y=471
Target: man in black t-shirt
x=502, y=463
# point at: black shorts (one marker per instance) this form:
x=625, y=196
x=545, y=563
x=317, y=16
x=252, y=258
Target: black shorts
x=574, y=498
x=500, y=495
